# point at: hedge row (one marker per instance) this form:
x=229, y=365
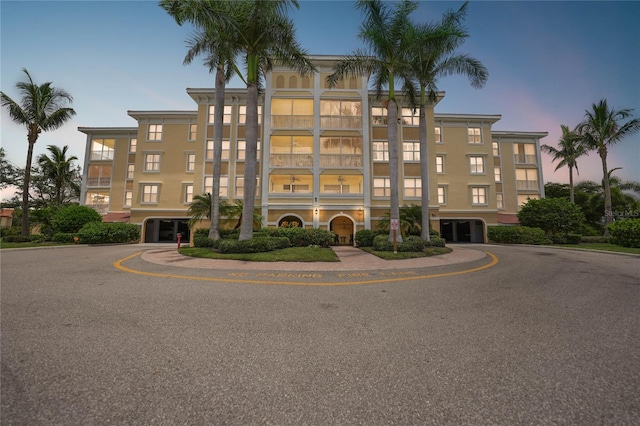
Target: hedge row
x=105, y=233
x=625, y=232
x=517, y=235
x=410, y=243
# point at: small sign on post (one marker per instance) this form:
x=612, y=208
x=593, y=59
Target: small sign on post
x=394, y=227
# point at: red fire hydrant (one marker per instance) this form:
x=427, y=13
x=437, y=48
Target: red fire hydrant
x=179, y=239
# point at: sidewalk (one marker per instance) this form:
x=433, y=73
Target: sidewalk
x=351, y=259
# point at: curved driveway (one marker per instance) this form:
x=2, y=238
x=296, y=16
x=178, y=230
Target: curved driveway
x=545, y=336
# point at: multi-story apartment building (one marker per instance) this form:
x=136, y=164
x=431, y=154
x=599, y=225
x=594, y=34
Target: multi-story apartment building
x=323, y=161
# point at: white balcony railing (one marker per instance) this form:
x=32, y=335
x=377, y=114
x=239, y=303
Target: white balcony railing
x=340, y=122
x=291, y=121
x=525, y=159
x=291, y=160
x=527, y=185
x=99, y=181
x=340, y=160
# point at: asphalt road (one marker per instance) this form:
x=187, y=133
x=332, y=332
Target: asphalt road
x=546, y=336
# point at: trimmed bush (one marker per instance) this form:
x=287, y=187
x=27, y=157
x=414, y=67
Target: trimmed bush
x=254, y=245
x=435, y=241
x=108, y=233
x=568, y=238
x=409, y=244
x=203, y=241
x=278, y=243
x=517, y=235
x=553, y=215
x=64, y=237
x=16, y=239
x=599, y=239
x=364, y=237
x=73, y=218
x=625, y=233
x=303, y=237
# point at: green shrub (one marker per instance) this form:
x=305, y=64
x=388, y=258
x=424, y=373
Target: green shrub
x=108, y=233
x=411, y=243
x=13, y=230
x=433, y=232
x=599, y=239
x=73, y=218
x=435, y=241
x=16, y=239
x=254, y=245
x=202, y=241
x=303, y=237
x=64, y=237
x=278, y=243
x=625, y=233
x=38, y=238
x=553, y=215
x=566, y=238
x=517, y=235
x=364, y=237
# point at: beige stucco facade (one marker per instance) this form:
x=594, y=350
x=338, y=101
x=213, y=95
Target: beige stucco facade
x=322, y=161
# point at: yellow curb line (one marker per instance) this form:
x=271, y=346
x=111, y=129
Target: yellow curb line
x=118, y=265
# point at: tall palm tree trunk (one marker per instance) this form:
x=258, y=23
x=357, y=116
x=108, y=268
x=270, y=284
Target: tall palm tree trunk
x=608, y=213
x=246, y=227
x=424, y=169
x=25, y=231
x=571, y=191
x=392, y=128
x=214, y=230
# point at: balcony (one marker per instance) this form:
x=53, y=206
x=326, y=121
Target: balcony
x=340, y=122
x=99, y=182
x=100, y=208
x=291, y=160
x=527, y=185
x=340, y=160
x=525, y=159
x=291, y=121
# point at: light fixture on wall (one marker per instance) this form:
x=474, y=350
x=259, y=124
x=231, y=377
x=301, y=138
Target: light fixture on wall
x=316, y=211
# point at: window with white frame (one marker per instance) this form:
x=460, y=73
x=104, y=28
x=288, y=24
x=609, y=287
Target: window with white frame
x=188, y=193
x=226, y=118
x=224, y=185
x=499, y=200
x=240, y=186
x=438, y=134
x=226, y=147
x=381, y=187
x=378, y=116
x=475, y=135
x=442, y=195
x=412, y=187
x=191, y=162
x=131, y=168
x=152, y=162
x=241, y=150
x=476, y=164
x=150, y=193
x=133, y=145
x=497, y=174
x=496, y=149
x=440, y=164
x=411, y=151
x=128, y=198
x=99, y=174
x=478, y=196
x=242, y=114
x=380, y=151
x=527, y=179
x=102, y=149
x=340, y=114
x=154, y=132
x=410, y=117
x=193, y=132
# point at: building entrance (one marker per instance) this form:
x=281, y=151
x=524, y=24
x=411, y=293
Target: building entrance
x=342, y=227
x=166, y=230
x=462, y=230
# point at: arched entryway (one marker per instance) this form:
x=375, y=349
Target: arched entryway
x=290, y=221
x=343, y=228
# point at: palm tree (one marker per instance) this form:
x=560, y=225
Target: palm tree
x=59, y=169
x=385, y=31
x=433, y=55
x=216, y=42
x=602, y=128
x=41, y=109
x=233, y=214
x=569, y=150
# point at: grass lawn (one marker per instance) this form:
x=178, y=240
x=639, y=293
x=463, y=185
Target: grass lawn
x=601, y=247
x=389, y=255
x=4, y=245
x=291, y=254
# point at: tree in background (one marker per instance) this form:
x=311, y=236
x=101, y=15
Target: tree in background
x=62, y=176
x=7, y=171
x=385, y=30
x=570, y=148
x=603, y=127
x=431, y=56
x=42, y=108
x=553, y=215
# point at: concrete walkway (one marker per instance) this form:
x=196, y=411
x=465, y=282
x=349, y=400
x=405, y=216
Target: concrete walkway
x=351, y=259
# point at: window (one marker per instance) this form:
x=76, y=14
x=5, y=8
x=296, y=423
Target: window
x=381, y=151
x=524, y=199
x=440, y=164
x=340, y=151
x=525, y=153
x=128, y=198
x=475, y=135
x=293, y=184
x=496, y=149
x=99, y=174
x=191, y=162
x=477, y=165
x=411, y=151
x=133, y=145
x=438, y=134
x=155, y=132
x=410, y=117
x=152, y=162
x=527, y=179
x=381, y=187
x=224, y=185
x=150, y=194
x=442, y=195
x=131, y=168
x=241, y=148
x=98, y=200
x=340, y=114
x=225, y=150
x=102, y=149
x=193, y=132
x=478, y=196
x=341, y=184
x=499, y=200
x=226, y=118
x=240, y=186
x=412, y=187
x=242, y=114
x=378, y=116
x=292, y=113
x=188, y=193
x=497, y=174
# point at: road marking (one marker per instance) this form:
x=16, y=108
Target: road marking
x=388, y=278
